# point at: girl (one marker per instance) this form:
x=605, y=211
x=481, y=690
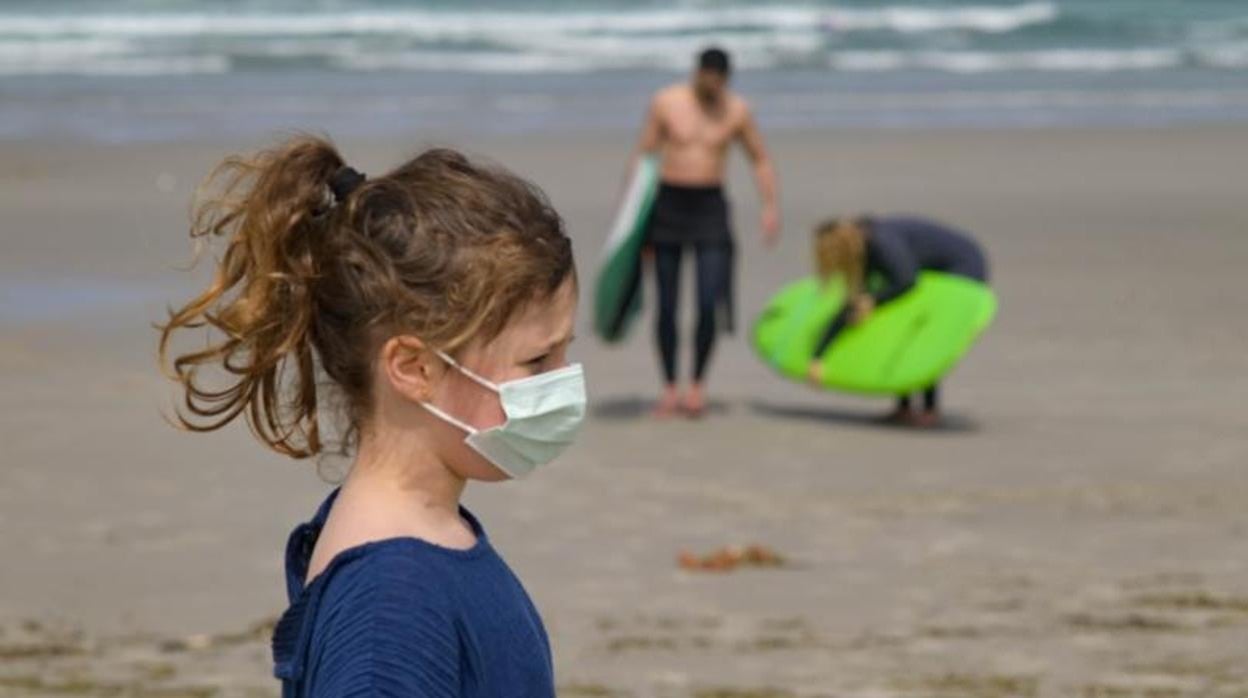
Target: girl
x=436, y=304
x=896, y=249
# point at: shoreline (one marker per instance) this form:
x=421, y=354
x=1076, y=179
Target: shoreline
x=206, y=109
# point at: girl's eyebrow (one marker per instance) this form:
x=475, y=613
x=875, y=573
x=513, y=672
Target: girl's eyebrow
x=552, y=345
x=563, y=340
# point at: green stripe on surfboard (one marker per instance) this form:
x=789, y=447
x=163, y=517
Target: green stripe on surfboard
x=617, y=290
x=905, y=345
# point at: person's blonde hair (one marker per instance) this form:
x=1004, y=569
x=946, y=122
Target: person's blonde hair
x=841, y=248
x=312, y=282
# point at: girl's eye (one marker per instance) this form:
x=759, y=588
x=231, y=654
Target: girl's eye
x=537, y=362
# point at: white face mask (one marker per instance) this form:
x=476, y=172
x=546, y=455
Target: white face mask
x=544, y=414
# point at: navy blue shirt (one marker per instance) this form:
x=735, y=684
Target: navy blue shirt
x=404, y=617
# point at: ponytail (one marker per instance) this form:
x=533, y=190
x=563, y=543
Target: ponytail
x=274, y=210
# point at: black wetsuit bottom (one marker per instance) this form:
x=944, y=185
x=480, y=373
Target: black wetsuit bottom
x=696, y=218
x=713, y=270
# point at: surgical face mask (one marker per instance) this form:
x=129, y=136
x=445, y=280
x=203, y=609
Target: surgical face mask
x=544, y=414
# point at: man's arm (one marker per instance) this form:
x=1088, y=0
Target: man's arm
x=764, y=176
x=651, y=136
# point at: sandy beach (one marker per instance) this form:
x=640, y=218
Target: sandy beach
x=1079, y=528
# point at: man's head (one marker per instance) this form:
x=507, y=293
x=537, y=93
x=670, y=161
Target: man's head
x=711, y=77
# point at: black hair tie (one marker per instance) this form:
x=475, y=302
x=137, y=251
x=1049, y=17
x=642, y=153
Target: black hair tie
x=345, y=181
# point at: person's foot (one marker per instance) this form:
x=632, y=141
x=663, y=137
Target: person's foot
x=668, y=404
x=695, y=402
x=900, y=415
x=926, y=419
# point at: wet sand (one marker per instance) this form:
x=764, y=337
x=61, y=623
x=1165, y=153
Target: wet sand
x=1078, y=528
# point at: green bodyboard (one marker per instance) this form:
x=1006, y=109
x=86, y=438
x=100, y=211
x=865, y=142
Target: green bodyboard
x=904, y=346
x=617, y=289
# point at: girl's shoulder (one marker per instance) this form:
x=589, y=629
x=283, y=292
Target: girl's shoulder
x=382, y=541
x=400, y=569
x=389, y=565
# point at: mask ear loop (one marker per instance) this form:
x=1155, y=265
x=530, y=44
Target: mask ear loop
x=475, y=378
x=463, y=426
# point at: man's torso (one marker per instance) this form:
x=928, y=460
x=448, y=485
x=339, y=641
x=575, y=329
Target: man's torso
x=696, y=137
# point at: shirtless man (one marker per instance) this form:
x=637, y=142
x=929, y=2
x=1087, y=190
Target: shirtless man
x=691, y=125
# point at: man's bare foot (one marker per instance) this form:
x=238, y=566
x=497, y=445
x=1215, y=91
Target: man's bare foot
x=925, y=419
x=695, y=402
x=668, y=404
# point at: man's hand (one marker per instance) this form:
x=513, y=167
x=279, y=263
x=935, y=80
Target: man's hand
x=770, y=225
x=864, y=305
x=764, y=177
x=814, y=372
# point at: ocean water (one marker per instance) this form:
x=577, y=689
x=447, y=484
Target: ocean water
x=156, y=69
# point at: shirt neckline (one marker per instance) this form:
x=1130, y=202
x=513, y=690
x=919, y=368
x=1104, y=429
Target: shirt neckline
x=303, y=540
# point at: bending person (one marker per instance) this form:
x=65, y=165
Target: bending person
x=894, y=249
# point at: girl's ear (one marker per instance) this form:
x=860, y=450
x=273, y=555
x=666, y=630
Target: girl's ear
x=410, y=367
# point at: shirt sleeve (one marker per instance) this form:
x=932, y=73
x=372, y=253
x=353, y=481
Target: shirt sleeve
x=889, y=255
x=387, y=634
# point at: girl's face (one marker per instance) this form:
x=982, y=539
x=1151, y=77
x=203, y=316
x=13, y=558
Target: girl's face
x=534, y=341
